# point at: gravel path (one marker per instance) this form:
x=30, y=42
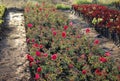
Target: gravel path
x=13, y=48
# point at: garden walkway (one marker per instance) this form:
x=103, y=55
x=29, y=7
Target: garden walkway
x=13, y=48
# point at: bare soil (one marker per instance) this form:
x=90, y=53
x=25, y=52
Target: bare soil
x=13, y=49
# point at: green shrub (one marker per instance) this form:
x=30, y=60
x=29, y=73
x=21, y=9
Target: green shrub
x=63, y=6
x=82, y=2
x=2, y=10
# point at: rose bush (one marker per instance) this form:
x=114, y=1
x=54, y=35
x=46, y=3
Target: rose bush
x=58, y=51
x=106, y=21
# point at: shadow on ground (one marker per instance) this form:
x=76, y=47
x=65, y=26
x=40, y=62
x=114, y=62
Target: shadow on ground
x=13, y=63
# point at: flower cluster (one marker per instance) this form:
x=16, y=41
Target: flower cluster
x=58, y=51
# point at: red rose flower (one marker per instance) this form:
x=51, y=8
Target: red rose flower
x=52, y=29
x=30, y=58
x=38, y=53
x=37, y=61
x=28, y=40
x=71, y=23
x=39, y=69
x=119, y=68
x=107, y=54
x=27, y=10
x=54, y=33
x=31, y=64
x=78, y=36
x=47, y=15
x=41, y=46
x=65, y=27
x=70, y=65
x=30, y=25
x=37, y=4
x=54, y=56
x=64, y=34
x=33, y=40
x=98, y=72
x=87, y=30
x=40, y=9
x=36, y=45
x=96, y=41
x=45, y=55
x=37, y=76
x=83, y=56
x=84, y=72
x=103, y=59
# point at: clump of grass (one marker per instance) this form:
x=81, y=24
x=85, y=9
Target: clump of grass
x=2, y=11
x=82, y=2
x=62, y=6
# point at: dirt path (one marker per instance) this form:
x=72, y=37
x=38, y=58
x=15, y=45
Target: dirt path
x=13, y=48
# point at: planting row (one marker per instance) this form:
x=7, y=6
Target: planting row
x=60, y=52
x=105, y=20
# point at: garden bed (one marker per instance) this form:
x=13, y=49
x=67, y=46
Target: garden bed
x=104, y=20
x=60, y=52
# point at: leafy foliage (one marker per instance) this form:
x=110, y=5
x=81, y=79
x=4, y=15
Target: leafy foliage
x=82, y=2
x=58, y=51
x=62, y=6
x=2, y=10
x=100, y=16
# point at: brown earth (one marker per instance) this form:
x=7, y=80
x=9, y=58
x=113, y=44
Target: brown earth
x=13, y=49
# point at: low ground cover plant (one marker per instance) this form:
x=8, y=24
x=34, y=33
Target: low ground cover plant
x=58, y=51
